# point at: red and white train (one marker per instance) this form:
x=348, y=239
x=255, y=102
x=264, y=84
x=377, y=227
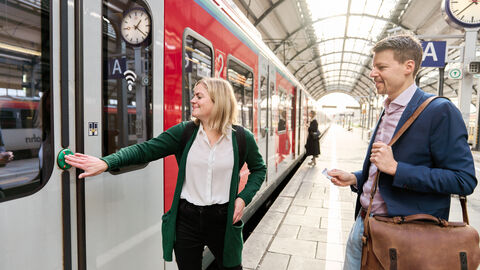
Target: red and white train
x=100, y=75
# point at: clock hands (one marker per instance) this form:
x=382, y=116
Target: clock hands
x=136, y=26
x=467, y=7
x=141, y=32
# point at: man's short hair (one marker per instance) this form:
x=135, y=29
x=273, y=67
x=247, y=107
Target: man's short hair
x=405, y=47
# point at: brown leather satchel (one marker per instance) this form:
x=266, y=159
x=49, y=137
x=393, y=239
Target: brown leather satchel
x=418, y=241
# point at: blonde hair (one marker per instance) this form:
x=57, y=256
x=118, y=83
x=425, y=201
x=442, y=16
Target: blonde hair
x=224, y=112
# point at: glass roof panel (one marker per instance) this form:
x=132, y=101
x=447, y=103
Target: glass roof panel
x=330, y=67
x=331, y=58
x=330, y=46
x=319, y=10
x=386, y=8
x=357, y=6
x=332, y=30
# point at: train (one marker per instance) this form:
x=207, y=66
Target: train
x=95, y=76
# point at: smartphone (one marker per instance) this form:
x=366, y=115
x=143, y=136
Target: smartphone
x=326, y=174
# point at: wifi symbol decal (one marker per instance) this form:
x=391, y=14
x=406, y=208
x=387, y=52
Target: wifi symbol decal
x=130, y=76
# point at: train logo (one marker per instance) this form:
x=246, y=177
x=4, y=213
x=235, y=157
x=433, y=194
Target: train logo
x=130, y=76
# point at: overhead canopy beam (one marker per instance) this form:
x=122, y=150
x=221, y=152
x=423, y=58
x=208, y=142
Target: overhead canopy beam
x=365, y=88
x=265, y=14
x=338, y=88
x=318, y=58
x=247, y=8
x=305, y=25
x=324, y=41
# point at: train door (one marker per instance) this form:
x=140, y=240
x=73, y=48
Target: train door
x=264, y=110
x=120, y=52
x=31, y=193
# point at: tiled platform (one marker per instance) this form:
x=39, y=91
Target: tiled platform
x=308, y=225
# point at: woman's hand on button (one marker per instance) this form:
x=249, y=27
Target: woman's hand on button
x=90, y=164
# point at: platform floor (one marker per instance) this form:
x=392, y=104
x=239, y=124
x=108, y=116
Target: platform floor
x=308, y=224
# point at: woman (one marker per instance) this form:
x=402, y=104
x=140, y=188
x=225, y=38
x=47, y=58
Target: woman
x=206, y=209
x=313, y=146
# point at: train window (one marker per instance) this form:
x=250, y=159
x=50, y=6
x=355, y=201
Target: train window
x=282, y=111
x=198, y=63
x=26, y=151
x=263, y=105
x=127, y=86
x=273, y=125
x=241, y=78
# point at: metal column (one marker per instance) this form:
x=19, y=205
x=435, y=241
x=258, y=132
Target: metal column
x=466, y=85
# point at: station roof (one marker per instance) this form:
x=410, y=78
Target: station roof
x=326, y=44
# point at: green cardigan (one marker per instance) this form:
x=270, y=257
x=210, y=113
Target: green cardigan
x=168, y=143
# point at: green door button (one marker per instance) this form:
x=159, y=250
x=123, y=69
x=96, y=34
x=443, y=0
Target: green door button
x=61, y=159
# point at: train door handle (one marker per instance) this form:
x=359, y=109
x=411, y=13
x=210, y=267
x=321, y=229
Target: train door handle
x=61, y=159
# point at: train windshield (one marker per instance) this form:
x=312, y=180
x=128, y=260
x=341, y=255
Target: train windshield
x=25, y=112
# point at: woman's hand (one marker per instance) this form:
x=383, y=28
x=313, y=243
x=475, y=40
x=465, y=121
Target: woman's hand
x=238, y=212
x=90, y=164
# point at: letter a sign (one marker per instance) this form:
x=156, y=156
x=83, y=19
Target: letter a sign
x=434, y=53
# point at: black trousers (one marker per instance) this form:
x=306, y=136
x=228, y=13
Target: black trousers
x=197, y=227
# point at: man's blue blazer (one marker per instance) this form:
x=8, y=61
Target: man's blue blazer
x=434, y=161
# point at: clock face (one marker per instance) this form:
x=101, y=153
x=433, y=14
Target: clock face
x=464, y=12
x=135, y=26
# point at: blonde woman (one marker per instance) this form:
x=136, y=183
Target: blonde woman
x=206, y=209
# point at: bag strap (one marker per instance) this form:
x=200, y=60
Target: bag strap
x=241, y=143
x=187, y=133
x=239, y=134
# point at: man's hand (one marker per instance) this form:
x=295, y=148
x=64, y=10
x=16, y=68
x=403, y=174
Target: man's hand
x=382, y=157
x=238, y=212
x=342, y=178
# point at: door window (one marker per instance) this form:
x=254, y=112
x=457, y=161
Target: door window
x=26, y=152
x=127, y=74
x=197, y=63
x=263, y=112
x=240, y=77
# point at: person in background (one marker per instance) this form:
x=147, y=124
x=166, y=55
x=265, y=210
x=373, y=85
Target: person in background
x=206, y=209
x=313, y=141
x=429, y=162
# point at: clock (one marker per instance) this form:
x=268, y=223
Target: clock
x=135, y=26
x=462, y=13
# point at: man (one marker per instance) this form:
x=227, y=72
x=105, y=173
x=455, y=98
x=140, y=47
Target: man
x=429, y=162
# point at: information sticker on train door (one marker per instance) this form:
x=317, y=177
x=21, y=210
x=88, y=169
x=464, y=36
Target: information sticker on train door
x=92, y=128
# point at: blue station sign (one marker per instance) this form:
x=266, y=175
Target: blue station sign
x=434, y=53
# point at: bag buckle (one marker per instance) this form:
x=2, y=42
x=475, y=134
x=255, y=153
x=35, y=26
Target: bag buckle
x=398, y=220
x=364, y=240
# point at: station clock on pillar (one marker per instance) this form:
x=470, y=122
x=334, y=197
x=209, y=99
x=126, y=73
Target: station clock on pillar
x=136, y=26
x=462, y=13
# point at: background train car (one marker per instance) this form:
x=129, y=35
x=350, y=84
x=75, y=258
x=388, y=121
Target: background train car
x=97, y=89
x=19, y=123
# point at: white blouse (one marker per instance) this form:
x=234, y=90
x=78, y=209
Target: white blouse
x=208, y=171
